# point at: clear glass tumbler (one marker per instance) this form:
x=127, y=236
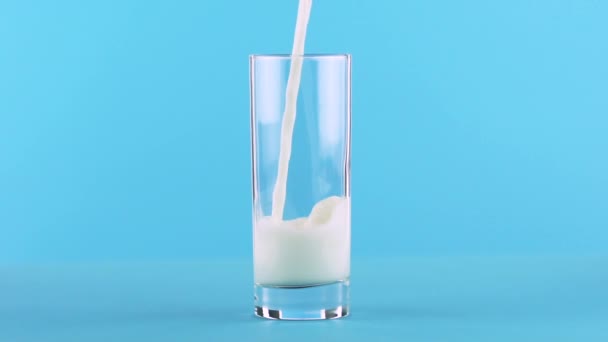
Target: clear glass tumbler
x=302, y=252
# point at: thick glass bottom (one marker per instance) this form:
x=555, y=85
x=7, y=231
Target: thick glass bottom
x=324, y=301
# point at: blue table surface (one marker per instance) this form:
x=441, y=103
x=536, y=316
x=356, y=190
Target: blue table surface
x=497, y=298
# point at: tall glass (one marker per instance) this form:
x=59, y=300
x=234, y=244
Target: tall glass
x=302, y=257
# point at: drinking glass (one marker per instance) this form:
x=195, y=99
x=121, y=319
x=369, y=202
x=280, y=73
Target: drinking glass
x=302, y=257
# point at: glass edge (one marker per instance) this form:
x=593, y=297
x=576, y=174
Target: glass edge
x=306, y=55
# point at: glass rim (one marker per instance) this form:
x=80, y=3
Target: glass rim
x=305, y=56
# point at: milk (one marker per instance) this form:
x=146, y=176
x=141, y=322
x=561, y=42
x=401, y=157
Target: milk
x=289, y=116
x=305, y=251
x=308, y=250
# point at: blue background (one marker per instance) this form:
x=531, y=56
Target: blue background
x=479, y=129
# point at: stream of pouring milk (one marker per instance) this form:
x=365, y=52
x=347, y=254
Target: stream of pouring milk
x=308, y=250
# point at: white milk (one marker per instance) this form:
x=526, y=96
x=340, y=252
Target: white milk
x=289, y=116
x=310, y=250
x=304, y=251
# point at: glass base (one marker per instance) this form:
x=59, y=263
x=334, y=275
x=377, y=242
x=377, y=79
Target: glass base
x=325, y=301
